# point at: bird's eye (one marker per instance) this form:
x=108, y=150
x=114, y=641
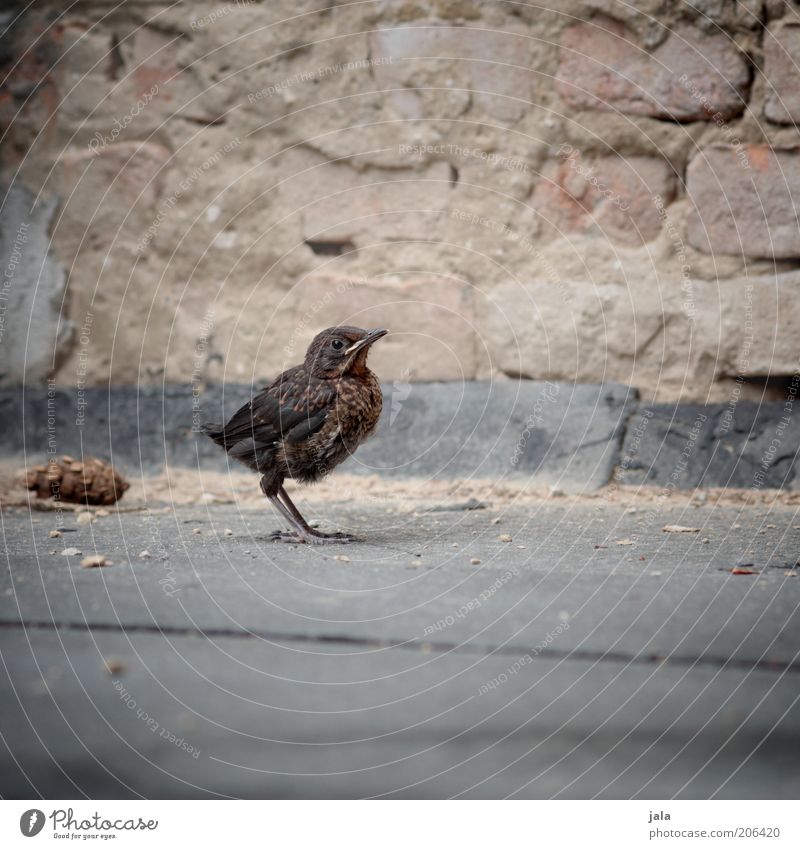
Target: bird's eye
x=337, y=344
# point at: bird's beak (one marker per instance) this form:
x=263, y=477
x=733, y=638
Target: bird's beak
x=371, y=337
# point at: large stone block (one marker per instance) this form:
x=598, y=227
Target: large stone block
x=673, y=338
x=745, y=201
x=109, y=192
x=437, y=69
x=431, y=318
x=547, y=433
x=781, y=62
x=33, y=333
x=690, y=76
x=744, y=445
x=339, y=204
x=612, y=193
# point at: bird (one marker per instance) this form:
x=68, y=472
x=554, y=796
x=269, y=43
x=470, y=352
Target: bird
x=306, y=421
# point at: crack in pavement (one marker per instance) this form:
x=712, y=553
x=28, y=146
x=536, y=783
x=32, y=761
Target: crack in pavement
x=713, y=661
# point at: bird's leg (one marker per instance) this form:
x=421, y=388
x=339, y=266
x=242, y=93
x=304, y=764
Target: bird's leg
x=302, y=533
x=335, y=537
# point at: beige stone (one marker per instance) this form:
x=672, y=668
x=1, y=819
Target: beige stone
x=781, y=61
x=690, y=76
x=611, y=193
x=676, y=340
x=431, y=319
x=745, y=201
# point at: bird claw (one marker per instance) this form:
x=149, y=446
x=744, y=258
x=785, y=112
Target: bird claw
x=317, y=538
x=283, y=536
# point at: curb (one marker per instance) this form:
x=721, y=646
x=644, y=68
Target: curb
x=576, y=437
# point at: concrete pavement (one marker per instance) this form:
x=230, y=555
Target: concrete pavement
x=586, y=653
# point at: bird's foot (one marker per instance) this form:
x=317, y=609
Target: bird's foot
x=286, y=536
x=335, y=537
x=316, y=538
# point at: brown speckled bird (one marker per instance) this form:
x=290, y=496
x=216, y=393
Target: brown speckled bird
x=307, y=421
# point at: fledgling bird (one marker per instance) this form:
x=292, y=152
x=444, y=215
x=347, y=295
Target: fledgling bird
x=307, y=421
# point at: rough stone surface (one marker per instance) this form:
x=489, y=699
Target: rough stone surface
x=476, y=65
x=702, y=336
x=602, y=67
x=431, y=319
x=614, y=194
x=265, y=671
x=551, y=434
x=781, y=61
x=403, y=140
x=33, y=333
x=743, y=445
x=745, y=201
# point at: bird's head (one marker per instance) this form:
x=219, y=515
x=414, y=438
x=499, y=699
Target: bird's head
x=339, y=350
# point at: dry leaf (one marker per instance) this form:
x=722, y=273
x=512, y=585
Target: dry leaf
x=95, y=560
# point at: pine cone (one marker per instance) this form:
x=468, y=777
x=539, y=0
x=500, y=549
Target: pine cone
x=89, y=481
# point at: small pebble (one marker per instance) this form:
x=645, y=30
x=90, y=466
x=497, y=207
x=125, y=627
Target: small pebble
x=475, y=561
x=145, y=555
x=705, y=540
x=505, y=538
x=54, y=533
x=342, y=558
x=197, y=530
x=71, y=552
x=85, y=518
x=497, y=520
x=228, y=532
x=115, y=666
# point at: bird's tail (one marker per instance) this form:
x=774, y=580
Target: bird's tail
x=215, y=431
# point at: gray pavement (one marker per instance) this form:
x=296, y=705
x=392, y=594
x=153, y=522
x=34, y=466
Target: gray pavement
x=552, y=667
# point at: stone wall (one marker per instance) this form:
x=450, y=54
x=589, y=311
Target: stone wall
x=599, y=192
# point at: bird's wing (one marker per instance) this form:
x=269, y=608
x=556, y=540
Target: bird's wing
x=292, y=407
